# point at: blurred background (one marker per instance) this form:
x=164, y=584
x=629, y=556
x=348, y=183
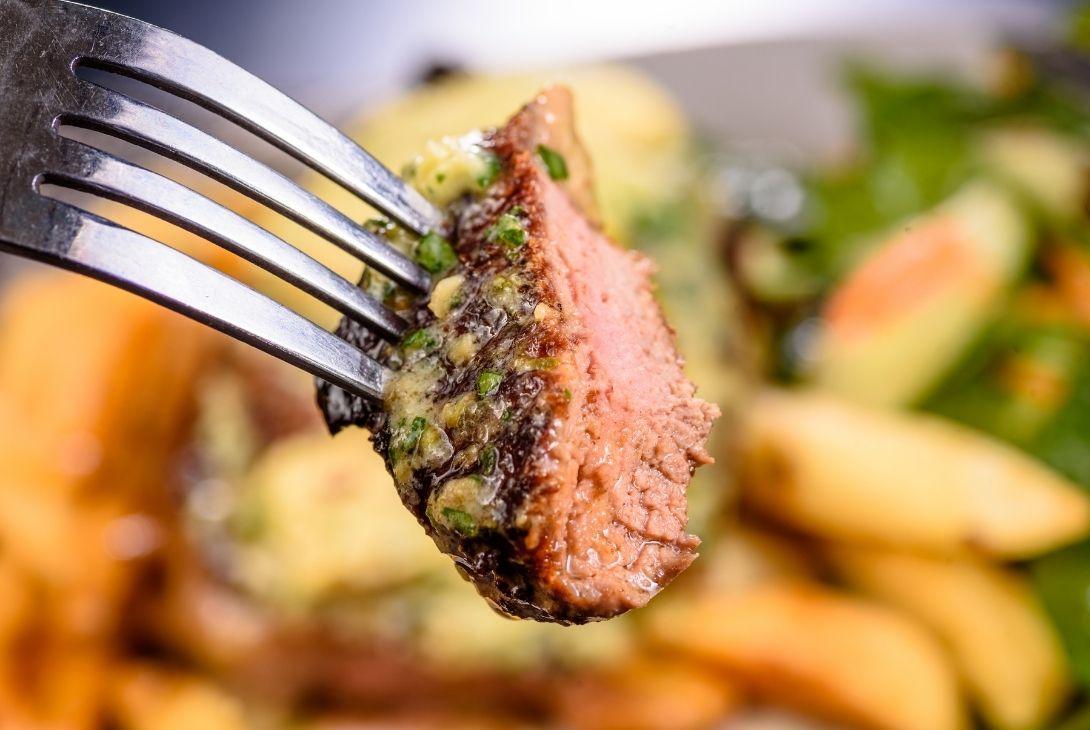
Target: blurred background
x=872, y=226
x=339, y=55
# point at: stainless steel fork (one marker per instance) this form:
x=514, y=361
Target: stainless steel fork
x=43, y=42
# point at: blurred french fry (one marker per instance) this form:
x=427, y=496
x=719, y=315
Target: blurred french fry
x=149, y=697
x=745, y=556
x=49, y=683
x=416, y=720
x=854, y=474
x=648, y=694
x=998, y=634
x=95, y=381
x=72, y=681
x=16, y=615
x=810, y=648
x=15, y=602
x=84, y=555
x=95, y=388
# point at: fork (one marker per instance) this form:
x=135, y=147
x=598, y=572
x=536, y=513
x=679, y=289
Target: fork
x=44, y=42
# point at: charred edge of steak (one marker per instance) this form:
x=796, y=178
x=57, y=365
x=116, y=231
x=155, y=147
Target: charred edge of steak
x=516, y=419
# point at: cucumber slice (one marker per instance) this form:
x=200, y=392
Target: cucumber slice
x=909, y=309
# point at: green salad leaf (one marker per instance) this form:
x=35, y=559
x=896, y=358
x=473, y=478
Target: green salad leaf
x=1079, y=720
x=920, y=138
x=1028, y=384
x=917, y=149
x=1062, y=580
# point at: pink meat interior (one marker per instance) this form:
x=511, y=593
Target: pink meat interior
x=634, y=431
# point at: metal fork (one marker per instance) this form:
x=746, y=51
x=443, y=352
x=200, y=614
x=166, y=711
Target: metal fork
x=43, y=42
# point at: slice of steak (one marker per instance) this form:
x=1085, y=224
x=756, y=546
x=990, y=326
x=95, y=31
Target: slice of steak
x=539, y=424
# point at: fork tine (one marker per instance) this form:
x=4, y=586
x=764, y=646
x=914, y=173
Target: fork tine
x=106, y=111
x=84, y=168
x=157, y=272
x=191, y=71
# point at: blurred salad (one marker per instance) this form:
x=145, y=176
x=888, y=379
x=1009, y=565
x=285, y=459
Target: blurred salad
x=946, y=268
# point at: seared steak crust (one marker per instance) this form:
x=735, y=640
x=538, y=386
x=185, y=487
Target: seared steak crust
x=539, y=425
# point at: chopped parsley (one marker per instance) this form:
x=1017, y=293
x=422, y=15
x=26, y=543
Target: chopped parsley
x=488, y=382
x=554, y=162
x=406, y=439
x=420, y=339
x=487, y=459
x=503, y=292
x=460, y=520
x=435, y=254
x=508, y=229
x=491, y=173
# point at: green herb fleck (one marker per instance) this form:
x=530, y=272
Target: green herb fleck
x=435, y=253
x=508, y=229
x=506, y=415
x=1062, y=580
x=420, y=339
x=488, y=382
x=460, y=521
x=407, y=439
x=415, y=429
x=554, y=162
x=501, y=285
x=503, y=292
x=440, y=177
x=567, y=394
x=488, y=458
x=491, y=173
